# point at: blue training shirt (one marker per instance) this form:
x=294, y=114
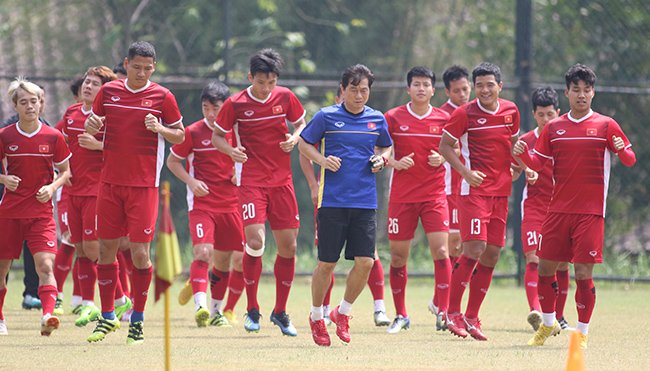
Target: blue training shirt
x=352, y=138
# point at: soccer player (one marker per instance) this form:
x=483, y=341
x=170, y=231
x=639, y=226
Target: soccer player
x=579, y=145
x=215, y=222
x=137, y=115
x=354, y=145
x=259, y=116
x=416, y=129
x=535, y=200
x=486, y=128
x=30, y=151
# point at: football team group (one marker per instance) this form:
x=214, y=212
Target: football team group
x=452, y=170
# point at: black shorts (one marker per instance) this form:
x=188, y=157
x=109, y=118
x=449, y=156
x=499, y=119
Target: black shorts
x=336, y=226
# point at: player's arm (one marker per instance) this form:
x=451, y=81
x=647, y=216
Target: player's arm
x=93, y=124
x=237, y=154
x=171, y=134
x=175, y=165
x=533, y=161
x=10, y=182
x=89, y=142
x=331, y=163
x=307, y=168
x=447, y=148
x=292, y=139
x=46, y=192
x=625, y=153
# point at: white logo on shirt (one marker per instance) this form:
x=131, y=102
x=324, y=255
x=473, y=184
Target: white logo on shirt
x=561, y=132
x=13, y=148
x=206, y=142
x=115, y=98
x=104, y=282
x=482, y=120
x=403, y=128
x=148, y=231
x=339, y=124
x=51, y=243
x=70, y=121
x=593, y=253
x=249, y=113
x=88, y=231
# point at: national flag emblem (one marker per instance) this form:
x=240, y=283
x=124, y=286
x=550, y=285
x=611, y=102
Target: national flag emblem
x=372, y=125
x=592, y=132
x=508, y=119
x=434, y=129
x=147, y=103
x=277, y=109
x=43, y=148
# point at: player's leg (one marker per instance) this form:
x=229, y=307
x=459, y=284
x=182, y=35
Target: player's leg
x=30, y=280
x=235, y=287
x=453, y=242
x=219, y=281
x=87, y=256
x=124, y=298
x=399, y=253
x=5, y=265
x=530, y=233
x=563, y=278
x=11, y=243
x=199, y=281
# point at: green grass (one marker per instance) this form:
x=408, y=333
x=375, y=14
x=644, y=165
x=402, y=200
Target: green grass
x=617, y=337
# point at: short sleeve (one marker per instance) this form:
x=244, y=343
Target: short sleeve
x=296, y=110
x=515, y=124
x=543, y=145
x=315, y=129
x=457, y=124
x=614, y=129
x=171, y=115
x=61, y=150
x=2, y=150
x=384, y=139
x=389, y=122
x=98, y=104
x=182, y=150
x=226, y=116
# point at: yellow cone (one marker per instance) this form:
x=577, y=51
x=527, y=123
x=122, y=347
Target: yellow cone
x=575, y=360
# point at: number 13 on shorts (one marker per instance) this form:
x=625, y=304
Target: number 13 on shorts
x=475, y=226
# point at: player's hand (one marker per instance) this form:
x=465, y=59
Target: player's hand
x=531, y=176
x=152, y=123
x=435, y=159
x=519, y=148
x=289, y=143
x=331, y=163
x=199, y=188
x=619, y=144
x=314, y=194
x=233, y=180
x=93, y=124
x=377, y=163
x=89, y=142
x=238, y=154
x=68, y=181
x=45, y=193
x=473, y=177
x=404, y=163
x=11, y=182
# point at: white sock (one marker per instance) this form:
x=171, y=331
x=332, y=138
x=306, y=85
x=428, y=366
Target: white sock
x=548, y=319
x=59, y=295
x=316, y=313
x=120, y=301
x=200, y=300
x=380, y=306
x=215, y=306
x=76, y=300
x=345, y=308
x=583, y=328
x=326, y=310
x=87, y=302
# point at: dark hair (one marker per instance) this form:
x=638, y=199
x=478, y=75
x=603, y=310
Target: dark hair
x=485, y=69
x=454, y=73
x=354, y=74
x=215, y=91
x=75, y=85
x=266, y=61
x=420, y=71
x=580, y=72
x=544, y=97
x=143, y=49
x=119, y=68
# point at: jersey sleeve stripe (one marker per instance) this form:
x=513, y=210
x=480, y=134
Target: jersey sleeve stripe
x=304, y=113
x=446, y=132
x=171, y=150
x=543, y=155
x=64, y=160
x=177, y=123
x=217, y=126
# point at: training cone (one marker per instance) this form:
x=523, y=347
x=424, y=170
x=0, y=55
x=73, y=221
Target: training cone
x=575, y=361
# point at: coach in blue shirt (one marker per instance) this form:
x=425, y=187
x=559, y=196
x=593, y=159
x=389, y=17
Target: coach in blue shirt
x=354, y=144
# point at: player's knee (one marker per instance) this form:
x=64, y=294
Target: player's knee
x=254, y=250
x=364, y=263
x=531, y=258
x=140, y=258
x=255, y=244
x=398, y=260
x=202, y=253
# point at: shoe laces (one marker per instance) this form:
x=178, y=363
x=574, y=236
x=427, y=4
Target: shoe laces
x=320, y=326
x=283, y=318
x=254, y=315
x=135, y=330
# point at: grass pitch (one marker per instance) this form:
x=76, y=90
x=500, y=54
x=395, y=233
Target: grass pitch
x=617, y=336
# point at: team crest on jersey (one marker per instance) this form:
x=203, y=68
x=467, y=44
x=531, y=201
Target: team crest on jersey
x=592, y=132
x=508, y=119
x=339, y=124
x=206, y=142
x=13, y=148
x=115, y=98
x=70, y=121
x=482, y=120
x=403, y=128
x=561, y=132
x=51, y=243
x=146, y=103
x=372, y=125
x=148, y=231
x=249, y=113
x=276, y=109
x=43, y=148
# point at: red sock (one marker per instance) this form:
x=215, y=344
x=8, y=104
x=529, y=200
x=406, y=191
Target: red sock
x=76, y=286
x=376, y=280
x=142, y=281
x=530, y=284
x=87, y=278
x=219, y=284
x=107, y=279
x=62, y=265
x=124, y=272
x=3, y=292
x=235, y=289
x=398, y=279
x=47, y=294
x=328, y=294
x=563, y=292
x=284, y=270
x=252, y=266
x=453, y=260
x=128, y=264
x=585, y=299
x=547, y=291
x=460, y=277
x=119, y=292
x=442, y=275
x=199, y=276
x=478, y=289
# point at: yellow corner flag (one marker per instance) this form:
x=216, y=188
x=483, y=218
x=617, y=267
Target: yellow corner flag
x=575, y=361
x=168, y=256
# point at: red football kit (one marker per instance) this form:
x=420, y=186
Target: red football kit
x=452, y=181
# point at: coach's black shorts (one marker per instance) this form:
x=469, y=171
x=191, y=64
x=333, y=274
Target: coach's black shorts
x=336, y=226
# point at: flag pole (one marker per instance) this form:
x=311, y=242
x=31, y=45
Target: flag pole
x=166, y=197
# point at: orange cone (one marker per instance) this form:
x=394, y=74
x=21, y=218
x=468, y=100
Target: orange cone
x=575, y=360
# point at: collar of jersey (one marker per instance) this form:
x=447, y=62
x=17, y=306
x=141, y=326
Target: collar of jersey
x=138, y=90
x=536, y=131
x=29, y=135
x=577, y=121
x=449, y=102
x=408, y=108
x=211, y=127
x=478, y=102
x=250, y=94
x=86, y=113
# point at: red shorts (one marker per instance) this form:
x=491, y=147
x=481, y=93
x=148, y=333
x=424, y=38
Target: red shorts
x=576, y=238
x=40, y=234
x=276, y=204
x=403, y=218
x=224, y=231
x=82, y=218
x=483, y=218
x=452, y=202
x=124, y=210
x=530, y=234
x=62, y=215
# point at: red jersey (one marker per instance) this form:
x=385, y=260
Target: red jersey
x=581, y=153
x=85, y=164
x=452, y=177
x=133, y=155
x=260, y=126
x=205, y=163
x=419, y=135
x=536, y=198
x=485, y=141
x=30, y=157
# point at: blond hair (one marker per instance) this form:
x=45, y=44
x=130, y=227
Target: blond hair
x=22, y=83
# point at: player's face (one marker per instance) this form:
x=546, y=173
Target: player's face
x=262, y=84
x=28, y=106
x=90, y=88
x=459, y=91
x=356, y=96
x=139, y=70
x=543, y=115
x=487, y=91
x=580, y=96
x=421, y=90
x=210, y=111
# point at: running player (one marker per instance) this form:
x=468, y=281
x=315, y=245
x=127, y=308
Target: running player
x=30, y=151
x=486, y=127
x=580, y=144
x=416, y=129
x=259, y=116
x=138, y=116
